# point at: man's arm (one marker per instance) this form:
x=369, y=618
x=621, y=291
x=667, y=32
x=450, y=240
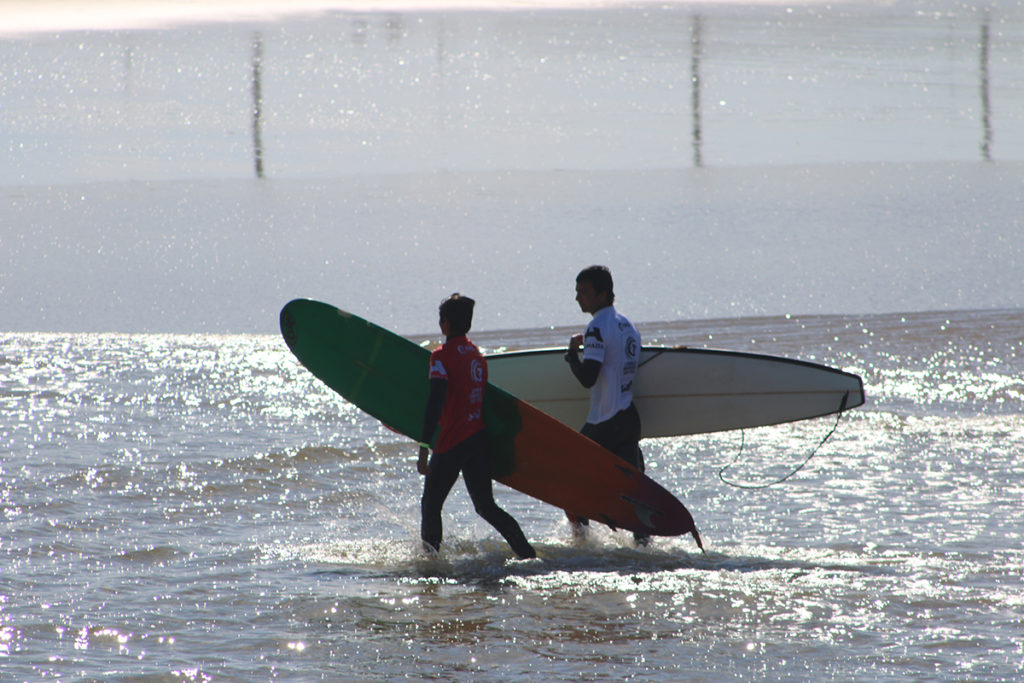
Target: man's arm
x=438, y=389
x=585, y=371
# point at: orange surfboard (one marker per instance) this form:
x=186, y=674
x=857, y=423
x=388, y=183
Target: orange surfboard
x=386, y=376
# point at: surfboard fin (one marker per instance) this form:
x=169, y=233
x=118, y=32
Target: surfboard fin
x=644, y=512
x=696, y=537
x=628, y=471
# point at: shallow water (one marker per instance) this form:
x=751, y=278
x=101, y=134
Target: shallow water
x=201, y=508
x=196, y=506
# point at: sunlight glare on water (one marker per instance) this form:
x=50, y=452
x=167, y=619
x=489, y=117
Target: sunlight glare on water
x=173, y=493
x=832, y=183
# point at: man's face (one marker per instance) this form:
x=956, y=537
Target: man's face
x=588, y=299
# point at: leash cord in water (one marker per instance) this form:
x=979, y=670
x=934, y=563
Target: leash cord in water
x=721, y=472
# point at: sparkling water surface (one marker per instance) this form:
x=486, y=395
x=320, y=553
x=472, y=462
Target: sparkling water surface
x=181, y=501
x=201, y=508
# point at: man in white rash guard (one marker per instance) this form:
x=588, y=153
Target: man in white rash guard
x=611, y=354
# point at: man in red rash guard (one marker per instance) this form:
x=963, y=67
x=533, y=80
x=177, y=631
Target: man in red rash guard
x=458, y=379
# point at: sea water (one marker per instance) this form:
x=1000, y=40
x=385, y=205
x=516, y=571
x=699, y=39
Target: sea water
x=199, y=507
x=183, y=501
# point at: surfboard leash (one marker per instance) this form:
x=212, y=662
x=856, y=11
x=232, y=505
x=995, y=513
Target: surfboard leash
x=721, y=472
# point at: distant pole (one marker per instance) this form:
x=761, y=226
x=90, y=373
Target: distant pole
x=696, y=46
x=257, y=102
x=986, y=105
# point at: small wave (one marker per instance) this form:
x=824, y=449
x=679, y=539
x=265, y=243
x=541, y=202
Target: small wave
x=151, y=555
x=275, y=460
x=489, y=559
x=360, y=555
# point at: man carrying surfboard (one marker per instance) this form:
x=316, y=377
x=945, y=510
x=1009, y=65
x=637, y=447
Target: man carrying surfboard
x=611, y=352
x=458, y=378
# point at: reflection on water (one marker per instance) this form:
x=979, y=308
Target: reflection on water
x=408, y=92
x=257, y=102
x=695, y=107
x=986, y=104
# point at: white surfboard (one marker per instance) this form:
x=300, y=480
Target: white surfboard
x=687, y=391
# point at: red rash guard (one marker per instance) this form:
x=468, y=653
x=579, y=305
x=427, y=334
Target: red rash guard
x=461, y=364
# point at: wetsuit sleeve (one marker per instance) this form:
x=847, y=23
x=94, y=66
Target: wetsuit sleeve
x=438, y=389
x=585, y=371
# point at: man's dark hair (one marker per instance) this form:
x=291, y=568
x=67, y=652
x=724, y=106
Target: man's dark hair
x=458, y=311
x=600, y=278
